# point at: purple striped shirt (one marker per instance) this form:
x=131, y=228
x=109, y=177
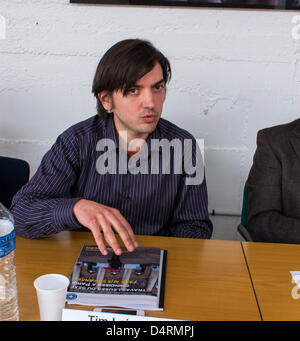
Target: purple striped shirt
x=153, y=204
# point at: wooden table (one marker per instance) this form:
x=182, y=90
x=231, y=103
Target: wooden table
x=270, y=266
x=206, y=279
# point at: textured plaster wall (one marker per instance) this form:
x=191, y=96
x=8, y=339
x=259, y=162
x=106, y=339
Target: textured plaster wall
x=234, y=72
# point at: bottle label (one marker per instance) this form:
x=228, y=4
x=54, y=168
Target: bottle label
x=7, y=244
x=3, y=287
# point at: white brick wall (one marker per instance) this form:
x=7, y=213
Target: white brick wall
x=234, y=72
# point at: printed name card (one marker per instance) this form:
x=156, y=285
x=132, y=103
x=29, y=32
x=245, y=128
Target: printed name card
x=86, y=315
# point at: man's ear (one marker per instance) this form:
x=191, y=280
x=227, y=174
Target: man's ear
x=105, y=98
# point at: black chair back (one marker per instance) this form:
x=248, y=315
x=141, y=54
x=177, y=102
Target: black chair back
x=242, y=227
x=14, y=173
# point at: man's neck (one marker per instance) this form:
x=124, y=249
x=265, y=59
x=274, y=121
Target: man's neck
x=131, y=143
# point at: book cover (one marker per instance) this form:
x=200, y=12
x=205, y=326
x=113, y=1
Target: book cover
x=134, y=280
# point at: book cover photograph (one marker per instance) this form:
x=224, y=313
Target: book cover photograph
x=133, y=280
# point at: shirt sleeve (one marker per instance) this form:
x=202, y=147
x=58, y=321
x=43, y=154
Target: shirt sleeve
x=41, y=207
x=190, y=218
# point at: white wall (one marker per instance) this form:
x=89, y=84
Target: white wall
x=234, y=72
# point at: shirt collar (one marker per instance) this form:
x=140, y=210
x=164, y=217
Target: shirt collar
x=153, y=136
x=111, y=134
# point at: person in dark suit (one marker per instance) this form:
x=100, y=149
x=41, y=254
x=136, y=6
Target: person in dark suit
x=273, y=208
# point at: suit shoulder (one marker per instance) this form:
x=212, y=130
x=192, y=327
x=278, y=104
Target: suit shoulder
x=281, y=131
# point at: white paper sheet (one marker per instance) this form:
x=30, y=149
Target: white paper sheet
x=296, y=277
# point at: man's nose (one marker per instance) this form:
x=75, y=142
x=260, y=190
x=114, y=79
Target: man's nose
x=148, y=99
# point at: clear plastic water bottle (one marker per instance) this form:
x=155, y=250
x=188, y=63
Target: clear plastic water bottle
x=9, y=310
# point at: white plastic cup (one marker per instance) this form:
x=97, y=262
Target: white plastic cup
x=51, y=290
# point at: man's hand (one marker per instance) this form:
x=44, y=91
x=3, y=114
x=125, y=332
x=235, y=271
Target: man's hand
x=97, y=218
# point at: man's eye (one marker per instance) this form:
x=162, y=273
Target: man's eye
x=133, y=91
x=159, y=87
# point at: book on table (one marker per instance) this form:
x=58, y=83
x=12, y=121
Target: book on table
x=133, y=280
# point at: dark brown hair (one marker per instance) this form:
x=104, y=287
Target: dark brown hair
x=123, y=65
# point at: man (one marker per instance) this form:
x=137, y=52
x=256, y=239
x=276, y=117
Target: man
x=91, y=162
x=273, y=210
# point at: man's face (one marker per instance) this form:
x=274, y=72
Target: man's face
x=138, y=111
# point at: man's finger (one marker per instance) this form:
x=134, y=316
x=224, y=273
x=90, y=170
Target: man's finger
x=109, y=235
x=96, y=231
x=121, y=229
x=128, y=238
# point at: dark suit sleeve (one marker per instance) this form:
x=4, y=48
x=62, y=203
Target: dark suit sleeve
x=265, y=219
